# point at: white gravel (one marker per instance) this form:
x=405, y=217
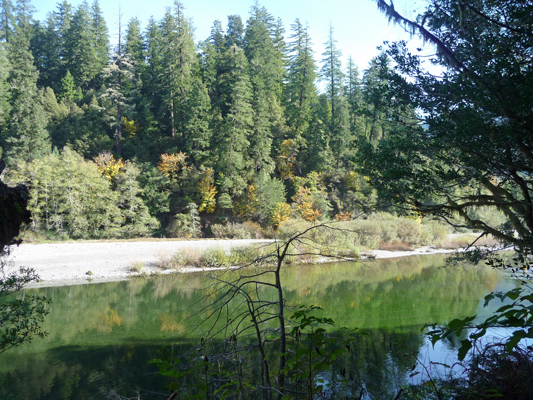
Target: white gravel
x=60, y=264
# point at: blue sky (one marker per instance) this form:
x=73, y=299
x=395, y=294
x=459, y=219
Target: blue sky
x=358, y=25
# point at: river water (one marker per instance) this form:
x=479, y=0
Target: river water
x=101, y=336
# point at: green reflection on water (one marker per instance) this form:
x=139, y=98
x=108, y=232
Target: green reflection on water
x=101, y=335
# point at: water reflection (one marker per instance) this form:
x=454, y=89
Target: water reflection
x=102, y=335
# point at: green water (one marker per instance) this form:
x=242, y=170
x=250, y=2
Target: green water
x=102, y=335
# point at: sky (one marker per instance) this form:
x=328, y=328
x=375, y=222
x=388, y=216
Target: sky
x=358, y=25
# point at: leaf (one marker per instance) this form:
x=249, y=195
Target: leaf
x=463, y=350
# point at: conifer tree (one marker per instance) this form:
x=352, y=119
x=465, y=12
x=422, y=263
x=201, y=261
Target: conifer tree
x=117, y=74
x=261, y=55
x=100, y=37
x=232, y=138
x=44, y=47
x=217, y=36
x=352, y=91
x=331, y=72
x=7, y=21
x=26, y=137
x=197, y=123
x=81, y=56
x=301, y=90
x=235, y=31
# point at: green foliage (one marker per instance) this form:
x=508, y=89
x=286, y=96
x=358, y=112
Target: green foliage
x=20, y=318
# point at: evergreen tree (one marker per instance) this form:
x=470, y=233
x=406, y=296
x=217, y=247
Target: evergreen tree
x=331, y=72
x=301, y=90
x=117, y=74
x=5, y=106
x=217, y=36
x=100, y=38
x=197, y=124
x=261, y=55
x=26, y=137
x=7, y=21
x=81, y=57
x=352, y=91
x=235, y=31
x=44, y=47
x=232, y=138
x=178, y=62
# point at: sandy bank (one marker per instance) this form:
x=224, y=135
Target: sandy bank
x=68, y=263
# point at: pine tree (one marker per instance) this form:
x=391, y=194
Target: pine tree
x=352, y=90
x=331, y=72
x=231, y=140
x=117, y=74
x=178, y=62
x=197, y=123
x=26, y=137
x=217, y=36
x=83, y=58
x=7, y=21
x=100, y=37
x=261, y=55
x=235, y=31
x=301, y=76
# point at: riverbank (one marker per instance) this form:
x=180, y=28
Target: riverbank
x=73, y=263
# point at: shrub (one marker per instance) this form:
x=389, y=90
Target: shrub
x=180, y=226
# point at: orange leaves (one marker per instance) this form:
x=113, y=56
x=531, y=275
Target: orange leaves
x=304, y=204
x=172, y=164
x=343, y=216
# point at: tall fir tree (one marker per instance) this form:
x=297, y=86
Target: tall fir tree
x=352, y=91
x=235, y=31
x=26, y=137
x=331, y=71
x=231, y=141
x=301, y=76
x=7, y=21
x=81, y=58
x=100, y=36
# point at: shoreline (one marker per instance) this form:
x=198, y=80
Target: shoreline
x=75, y=263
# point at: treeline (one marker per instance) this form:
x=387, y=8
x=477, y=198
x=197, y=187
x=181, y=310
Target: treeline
x=234, y=125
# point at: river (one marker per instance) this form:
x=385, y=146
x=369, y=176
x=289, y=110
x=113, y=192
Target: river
x=101, y=336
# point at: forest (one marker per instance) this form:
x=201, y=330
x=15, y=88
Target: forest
x=248, y=129
x=122, y=139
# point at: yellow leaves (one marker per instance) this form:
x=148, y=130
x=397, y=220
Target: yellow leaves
x=247, y=205
x=304, y=204
x=286, y=159
x=351, y=179
x=130, y=127
x=208, y=192
x=282, y=212
x=171, y=164
x=107, y=165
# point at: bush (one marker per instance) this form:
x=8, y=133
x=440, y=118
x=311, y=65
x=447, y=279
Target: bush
x=180, y=226
x=246, y=230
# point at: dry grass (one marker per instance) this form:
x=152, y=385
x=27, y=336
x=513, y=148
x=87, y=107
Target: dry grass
x=395, y=246
x=136, y=266
x=464, y=240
